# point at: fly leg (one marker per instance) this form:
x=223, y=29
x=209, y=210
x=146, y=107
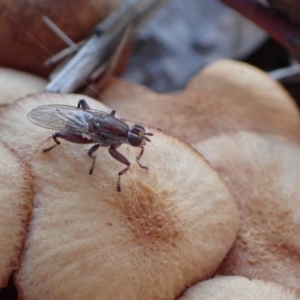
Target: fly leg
x=83, y=104
x=121, y=158
x=93, y=157
x=56, y=143
x=139, y=157
x=69, y=137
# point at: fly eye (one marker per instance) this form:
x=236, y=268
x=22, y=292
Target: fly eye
x=139, y=127
x=134, y=140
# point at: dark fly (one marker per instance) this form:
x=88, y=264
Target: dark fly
x=83, y=125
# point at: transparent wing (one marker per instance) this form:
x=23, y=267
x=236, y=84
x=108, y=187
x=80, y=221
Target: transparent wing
x=63, y=118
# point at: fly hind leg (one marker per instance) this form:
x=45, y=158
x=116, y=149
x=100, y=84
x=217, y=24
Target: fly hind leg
x=121, y=158
x=93, y=157
x=54, y=137
x=69, y=137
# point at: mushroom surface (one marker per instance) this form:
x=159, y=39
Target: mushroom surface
x=15, y=84
x=237, y=287
x=171, y=225
x=262, y=172
x=224, y=96
x=15, y=207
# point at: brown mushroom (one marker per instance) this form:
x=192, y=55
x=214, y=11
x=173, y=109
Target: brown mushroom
x=21, y=23
x=225, y=96
x=15, y=206
x=15, y=84
x=237, y=287
x=171, y=225
x=262, y=172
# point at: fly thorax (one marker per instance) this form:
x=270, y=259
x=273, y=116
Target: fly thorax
x=80, y=121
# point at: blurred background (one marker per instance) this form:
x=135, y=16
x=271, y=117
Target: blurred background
x=184, y=36
x=179, y=40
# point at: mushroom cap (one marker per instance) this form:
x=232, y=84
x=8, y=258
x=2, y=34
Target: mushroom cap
x=171, y=225
x=22, y=24
x=237, y=287
x=224, y=96
x=15, y=84
x=15, y=207
x=262, y=172
x=20, y=134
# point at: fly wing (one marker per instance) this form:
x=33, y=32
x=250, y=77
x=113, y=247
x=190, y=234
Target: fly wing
x=63, y=118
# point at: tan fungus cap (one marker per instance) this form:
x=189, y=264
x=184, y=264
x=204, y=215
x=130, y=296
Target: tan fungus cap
x=262, y=172
x=240, y=288
x=15, y=207
x=15, y=84
x=171, y=225
x=225, y=96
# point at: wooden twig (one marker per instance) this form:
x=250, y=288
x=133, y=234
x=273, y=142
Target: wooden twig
x=63, y=54
x=274, y=23
x=105, y=40
x=287, y=75
x=58, y=31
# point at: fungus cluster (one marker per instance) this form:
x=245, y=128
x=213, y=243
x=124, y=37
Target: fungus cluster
x=217, y=210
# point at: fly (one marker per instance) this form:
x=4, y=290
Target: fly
x=84, y=125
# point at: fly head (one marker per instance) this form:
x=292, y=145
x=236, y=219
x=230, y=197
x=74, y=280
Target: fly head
x=137, y=136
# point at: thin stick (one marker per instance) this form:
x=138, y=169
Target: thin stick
x=63, y=54
x=275, y=24
x=104, y=41
x=58, y=31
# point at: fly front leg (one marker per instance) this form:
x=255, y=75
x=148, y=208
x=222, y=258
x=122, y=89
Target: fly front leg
x=93, y=157
x=139, y=157
x=67, y=136
x=121, y=158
